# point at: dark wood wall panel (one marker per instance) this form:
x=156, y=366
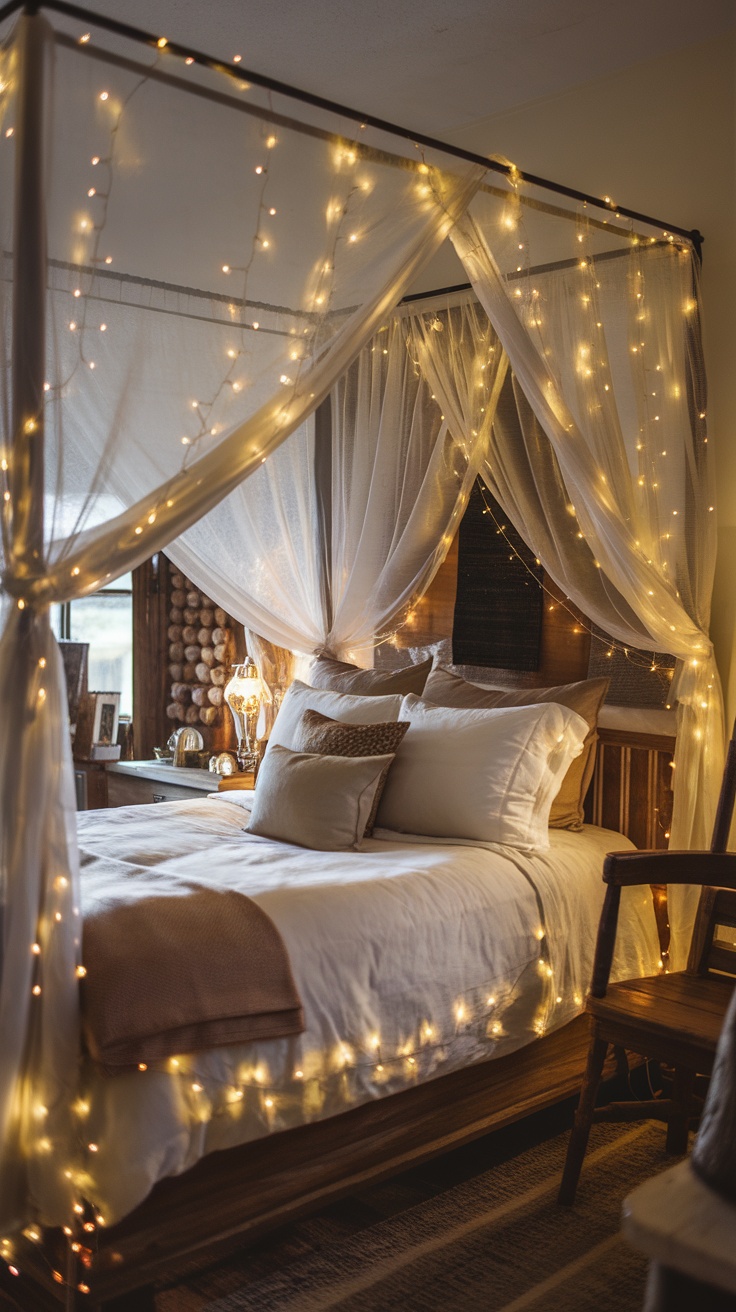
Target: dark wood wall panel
x=565, y=644
x=499, y=603
x=152, y=586
x=150, y=667
x=431, y=618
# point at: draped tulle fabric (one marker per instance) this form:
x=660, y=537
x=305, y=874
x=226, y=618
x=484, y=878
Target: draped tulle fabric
x=604, y=465
x=214, y=265
x=347, y=523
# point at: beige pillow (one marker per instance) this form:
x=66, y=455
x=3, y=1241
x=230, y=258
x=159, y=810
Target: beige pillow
x=586, y=698
x=341, y=677
x=322, y=802
x=318, y=733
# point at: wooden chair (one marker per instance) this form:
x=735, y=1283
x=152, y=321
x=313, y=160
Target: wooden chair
x=674, y=1018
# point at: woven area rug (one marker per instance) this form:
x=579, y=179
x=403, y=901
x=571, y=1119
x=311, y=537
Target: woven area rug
x=494, y=1242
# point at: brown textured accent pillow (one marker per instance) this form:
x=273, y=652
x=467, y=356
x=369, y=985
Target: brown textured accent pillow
x=339, y=676
x=319, y=734
x=586, y=698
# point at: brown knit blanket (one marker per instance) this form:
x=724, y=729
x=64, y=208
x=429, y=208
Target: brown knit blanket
x=172, y=974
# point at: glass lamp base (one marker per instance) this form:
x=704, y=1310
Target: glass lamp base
x=248, y=761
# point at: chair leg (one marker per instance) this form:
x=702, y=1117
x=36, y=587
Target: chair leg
x=583, y=1119
x=678, y=1124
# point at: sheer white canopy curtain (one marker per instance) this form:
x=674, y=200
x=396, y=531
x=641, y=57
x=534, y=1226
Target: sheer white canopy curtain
x=605, y=467
x=346, y=524
x=205, y=265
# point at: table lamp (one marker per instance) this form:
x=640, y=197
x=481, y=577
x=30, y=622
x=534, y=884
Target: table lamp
x=243, y=695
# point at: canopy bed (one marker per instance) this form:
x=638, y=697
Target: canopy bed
x=141, y=411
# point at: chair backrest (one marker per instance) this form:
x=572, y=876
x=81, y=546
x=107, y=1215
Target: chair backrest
x=713, y=946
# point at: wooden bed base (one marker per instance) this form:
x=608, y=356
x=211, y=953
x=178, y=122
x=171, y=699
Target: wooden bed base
x=234, y=1197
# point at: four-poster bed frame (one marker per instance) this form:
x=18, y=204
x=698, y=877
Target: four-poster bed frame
x=238, y=1195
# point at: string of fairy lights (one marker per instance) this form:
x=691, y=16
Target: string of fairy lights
x=343, y=228
x=316, y=322
x=85, y=1220
x=483, y=1011
x=340, y=216
x=591, y=359
x=254, y=1096
x=646, y=661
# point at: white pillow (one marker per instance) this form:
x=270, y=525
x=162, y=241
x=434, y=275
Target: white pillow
x=348, y=707
x=487, y=775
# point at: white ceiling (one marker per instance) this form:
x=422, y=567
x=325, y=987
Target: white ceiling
x=432, y=65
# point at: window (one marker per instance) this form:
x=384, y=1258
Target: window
x=105, y=621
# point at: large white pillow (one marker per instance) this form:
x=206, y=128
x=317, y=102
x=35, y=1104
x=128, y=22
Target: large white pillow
x=488, y=775
x=348, y=707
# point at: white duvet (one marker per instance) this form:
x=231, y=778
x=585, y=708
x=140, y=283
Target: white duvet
x=412, y=957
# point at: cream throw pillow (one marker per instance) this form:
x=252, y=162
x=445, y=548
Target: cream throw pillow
x=322, y=802
x=585, y=697
x=318, y=733
x=483, y=775
x=347, y=707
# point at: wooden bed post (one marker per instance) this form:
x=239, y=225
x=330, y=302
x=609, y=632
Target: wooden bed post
x=26, y=474
x=727, y=796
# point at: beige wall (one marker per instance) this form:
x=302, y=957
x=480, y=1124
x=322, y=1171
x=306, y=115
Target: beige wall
x=661, y=138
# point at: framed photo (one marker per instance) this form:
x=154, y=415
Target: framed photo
x=105, y=723
x=97, y=727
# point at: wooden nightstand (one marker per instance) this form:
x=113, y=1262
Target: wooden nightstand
x=133, y=783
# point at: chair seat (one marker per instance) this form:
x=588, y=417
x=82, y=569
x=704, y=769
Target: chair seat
x=690, y=1006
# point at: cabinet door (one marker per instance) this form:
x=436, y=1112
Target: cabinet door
x=90, y=783
x=132, y=790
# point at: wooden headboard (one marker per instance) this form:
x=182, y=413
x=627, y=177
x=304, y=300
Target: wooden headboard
x=631, y=788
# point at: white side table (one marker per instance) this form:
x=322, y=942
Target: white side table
x=684, y=1225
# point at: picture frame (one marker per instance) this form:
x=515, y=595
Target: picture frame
x=97, y=727
x=107, y=714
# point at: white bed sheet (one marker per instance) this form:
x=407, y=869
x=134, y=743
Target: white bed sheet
x=413, y=958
